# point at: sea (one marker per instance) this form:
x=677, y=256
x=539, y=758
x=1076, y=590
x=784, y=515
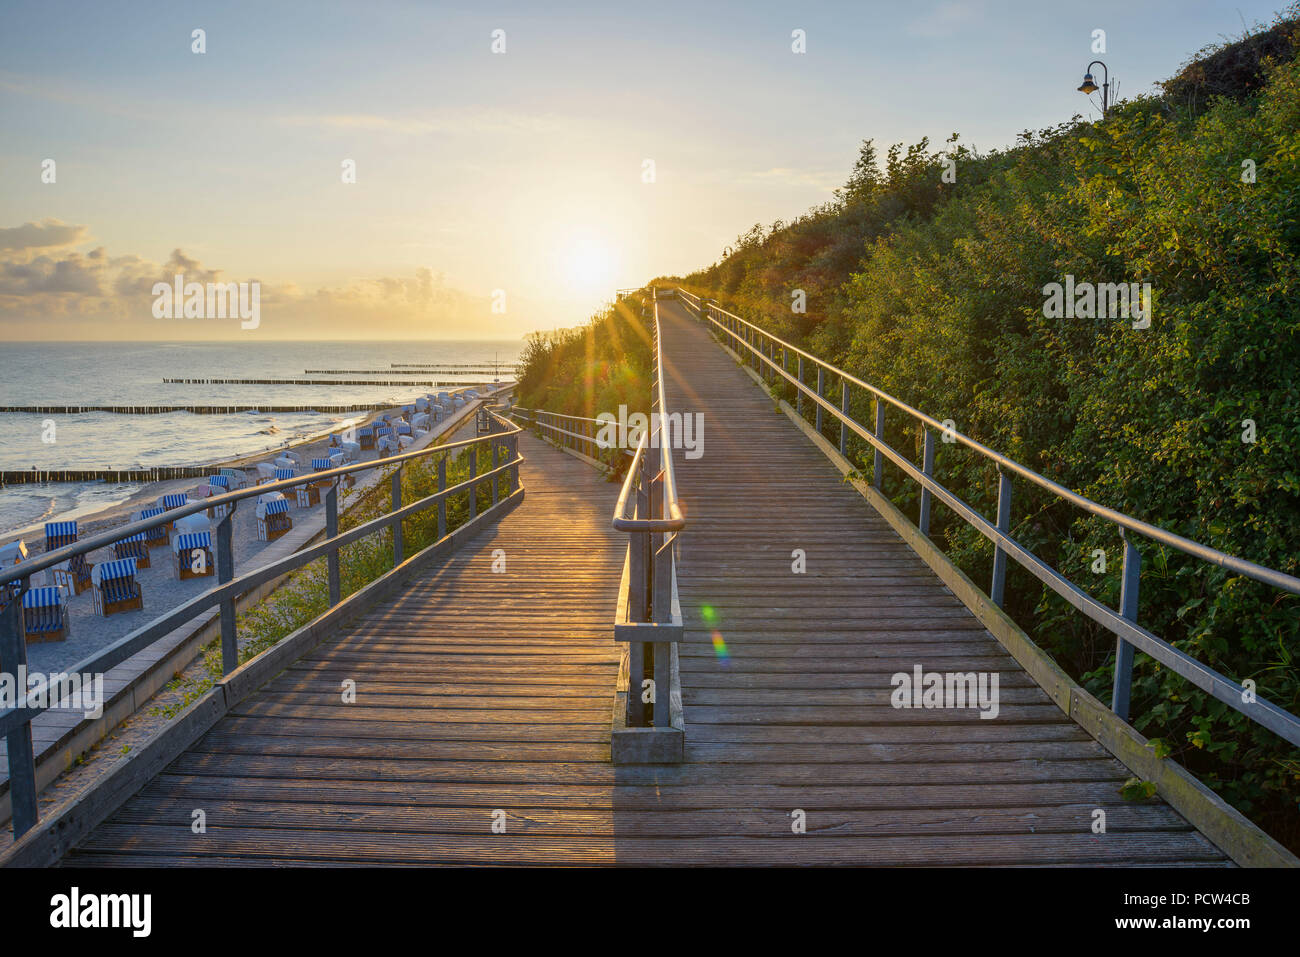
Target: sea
x=132, y=373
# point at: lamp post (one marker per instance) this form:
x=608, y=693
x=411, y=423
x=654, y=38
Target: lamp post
x=1090, y=87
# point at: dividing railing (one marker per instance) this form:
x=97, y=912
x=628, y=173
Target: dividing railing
x=574, y=432
x=649, y=616
x=773, y=358
x=15, y=723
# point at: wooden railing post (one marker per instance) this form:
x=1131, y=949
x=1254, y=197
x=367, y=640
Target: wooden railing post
x=1128, y=606
x=225, y=573
x=22, y=757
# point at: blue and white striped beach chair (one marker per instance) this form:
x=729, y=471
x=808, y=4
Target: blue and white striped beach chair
x=272, y=518
x=170, y=502
x=236, y=477
x=133, y=546
x=309, y=495
x=115, y=587
x=43, y=616
x=59, y=534
x=159, y=535
x=366, y=437
x=193, y=555
x=220, y=485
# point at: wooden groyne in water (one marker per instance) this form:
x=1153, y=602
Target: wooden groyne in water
x=402, y=382
x=196, y=409
x=444, y=370
x=158, y=474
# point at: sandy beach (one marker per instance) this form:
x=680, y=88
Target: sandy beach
x=160, y=585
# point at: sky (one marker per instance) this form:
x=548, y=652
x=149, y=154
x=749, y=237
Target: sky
x=495, y=192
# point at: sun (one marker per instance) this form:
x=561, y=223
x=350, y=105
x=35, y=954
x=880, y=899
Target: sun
x=589, y=264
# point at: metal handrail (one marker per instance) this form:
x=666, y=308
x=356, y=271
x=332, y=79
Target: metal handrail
x=564, y=438
x=762, y=346
x=649, y=617
x=658, y=427
x=15, y=722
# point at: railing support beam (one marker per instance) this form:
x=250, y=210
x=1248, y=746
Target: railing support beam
x=998, y=586
x=22, y=757
x=1128, y=605
x=927, y=469
x=226, y=572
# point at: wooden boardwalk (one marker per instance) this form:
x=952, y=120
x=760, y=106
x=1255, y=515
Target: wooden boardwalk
x=480, y=693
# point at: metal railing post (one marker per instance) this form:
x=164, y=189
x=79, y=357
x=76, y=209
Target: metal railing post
x=496, y=476
x=998, y=586
x=1128, y=606
x=442, y=502
x=473, y=487
x=225, y=573
x=927, y=469
x=878, y=461
x=844, y=412
x=514, y=460
x=331, y=530
x=22, y=757
x=821, y=393
x=396, y=500
x=798, y=393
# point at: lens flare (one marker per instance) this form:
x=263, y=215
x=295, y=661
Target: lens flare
x=720, y=647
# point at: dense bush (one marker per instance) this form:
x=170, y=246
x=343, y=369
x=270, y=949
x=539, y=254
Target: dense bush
x=592, y=369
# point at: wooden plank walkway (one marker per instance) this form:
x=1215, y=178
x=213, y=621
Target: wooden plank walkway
x=480, y=692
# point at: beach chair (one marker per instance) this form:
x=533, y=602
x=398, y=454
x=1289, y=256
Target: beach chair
x=115, y=588
x=351, y=451
x=309, y=495
x=408, y=410
x=159, y=535
x=10, y=555
x=420, y=423
x=169, y=502
x=43, y=615
x=284, y=462
x=59, y=534
x=403, y=428
x=62, y=578
x=194, y=557
x=265, y=473
x=196, y=522
x=366, y=438
x=272, y=517
x=293, y=457
x=236, y=477
x=133, y=546
x=220, y=485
